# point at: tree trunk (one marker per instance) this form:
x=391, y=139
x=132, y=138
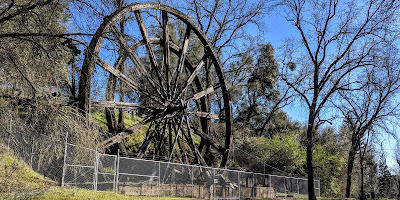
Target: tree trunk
x=398, y=187
x=310, y=170
x=362, y=195
x=121, y=124
x=73, y=82
x=350, y=165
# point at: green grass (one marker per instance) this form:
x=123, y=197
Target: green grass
x=78, y=194
x=17, y=181
x=100, y=116
x=305, y=197
x=134, y=140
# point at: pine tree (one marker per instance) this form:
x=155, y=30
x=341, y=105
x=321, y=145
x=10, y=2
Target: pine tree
x=384, y=177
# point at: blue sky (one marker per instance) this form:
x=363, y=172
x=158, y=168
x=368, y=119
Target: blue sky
x=278, y=29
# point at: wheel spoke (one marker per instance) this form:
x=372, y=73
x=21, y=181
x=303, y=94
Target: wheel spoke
x=143, y=30
x=120, y=136
x=190, y=140
x=125, y=46
x=157, y=70
x=204, y=92
x=126, y=79
x=191, y=78
x=182, y=59
x=146, y=141
x=176, y=136
x=135, y=60
x=167, y=56
x=207, y=138
x=161, y=140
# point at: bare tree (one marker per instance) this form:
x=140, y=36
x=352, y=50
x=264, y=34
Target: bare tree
x=226, y=24
x=397, y=157
x=371, y=109
x=338, y=39
x=35, y=51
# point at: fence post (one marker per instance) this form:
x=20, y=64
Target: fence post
x=33, y=143
x=270, y=182
x=213, y=183
x=253, y=191
x=298, y=186
x=284, y=184
x=239, y=183
x=159, y=177
x=65, y=161
x=9, y=136
x=116, y=172
x=264, y=168
x=192, y=181
x=96, y=162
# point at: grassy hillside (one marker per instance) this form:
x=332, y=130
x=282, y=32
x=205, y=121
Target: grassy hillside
x=17, y=181
x=134, y=140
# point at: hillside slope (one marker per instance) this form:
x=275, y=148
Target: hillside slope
x=17, y=181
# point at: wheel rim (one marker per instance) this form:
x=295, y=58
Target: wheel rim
x=183, y=100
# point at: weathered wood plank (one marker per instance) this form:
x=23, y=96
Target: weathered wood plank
x=203, y=114
x=126, y=79
x=204, y=92
x=191, y=78
x=115, y=104
x=128, y=50
x=146, y=39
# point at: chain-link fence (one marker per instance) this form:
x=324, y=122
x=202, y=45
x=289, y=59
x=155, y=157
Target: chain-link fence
x=86, y=168
x=43, y=154
x=34, y=131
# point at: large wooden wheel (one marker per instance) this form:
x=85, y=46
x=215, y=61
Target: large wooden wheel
x=166, y=67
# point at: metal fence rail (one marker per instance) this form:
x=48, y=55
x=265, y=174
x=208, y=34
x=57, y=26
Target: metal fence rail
x=89, y=169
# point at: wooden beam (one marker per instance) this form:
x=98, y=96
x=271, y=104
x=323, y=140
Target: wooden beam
x=126, y=79
x=122, y=135
x=128, y=50
x=203, y=114
x=182, y=59
x=167, y=54
x=146, y=39
x=191, y=78
x=204, y=92
x=207, y=138
x=115, y=104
